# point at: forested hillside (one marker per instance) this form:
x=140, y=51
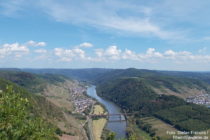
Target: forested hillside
x=50, y=105
x=160, y=83
x=204, y=76
x=134, y=95
x=19, y=118
x=182, y=84
x=135, y=91
x=33, y=82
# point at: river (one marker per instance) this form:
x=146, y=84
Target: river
x=116, y=126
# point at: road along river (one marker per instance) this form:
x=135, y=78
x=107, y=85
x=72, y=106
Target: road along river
x=119, y=127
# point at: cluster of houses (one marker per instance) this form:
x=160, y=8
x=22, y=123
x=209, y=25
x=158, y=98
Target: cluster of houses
x=81, y=102
x=77, y=92
x=203, y=99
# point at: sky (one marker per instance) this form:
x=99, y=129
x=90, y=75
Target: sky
x=144, y=34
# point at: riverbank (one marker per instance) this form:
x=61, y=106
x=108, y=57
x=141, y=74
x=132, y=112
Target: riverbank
x=96, y=127
x=98, y=124
x=114, y=125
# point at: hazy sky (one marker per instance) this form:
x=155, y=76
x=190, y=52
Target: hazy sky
x=146, y=34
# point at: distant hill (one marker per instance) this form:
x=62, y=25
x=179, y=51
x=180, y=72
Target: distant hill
x=79, y=74
x=181, y=84
x=205, y=76
x=160, y=82
x=100, y=74
x=32, y=82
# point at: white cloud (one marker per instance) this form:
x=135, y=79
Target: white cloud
x=85, y=45
x=64, y=55
x=170, y=53
x=150, y=51
x=10, y=8
x=18, y=50
x=176, y=55
x=140, y=26
x=163, y=19
x=35, y=44
x=112, y=52
x=99, y=52
x=203, y=50
x=69, y=54
x=79, y=52
x=151, y=55
x=128, y=54
x=40, y=51
x=108, y=15
x=14, y=49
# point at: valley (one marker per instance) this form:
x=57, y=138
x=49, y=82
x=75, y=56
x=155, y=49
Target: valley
x=155, y=102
